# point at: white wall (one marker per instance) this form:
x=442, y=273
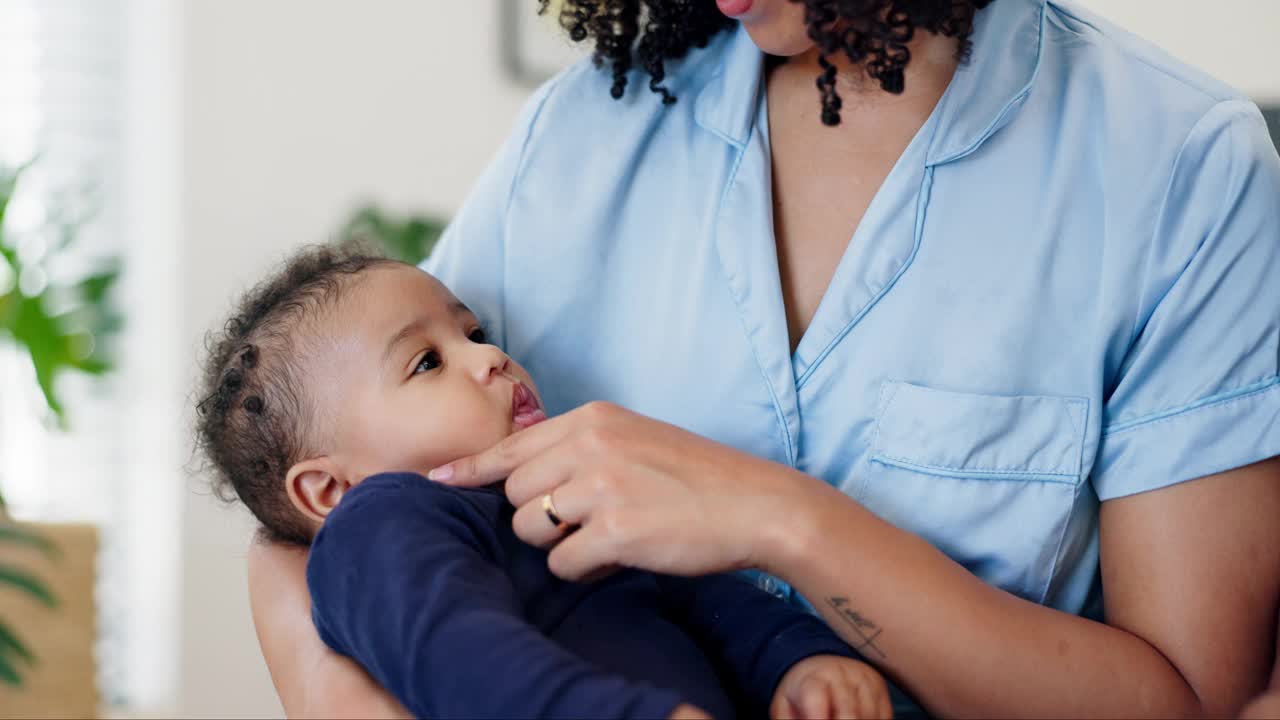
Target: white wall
x=294, y=110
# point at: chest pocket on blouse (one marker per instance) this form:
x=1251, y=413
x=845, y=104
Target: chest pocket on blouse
x=989, y=480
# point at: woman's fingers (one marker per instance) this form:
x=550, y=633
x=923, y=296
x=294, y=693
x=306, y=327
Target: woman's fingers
x=571, y=500
x=533, y=523
x=542, y=474
x=586, y=554
x=499, y=461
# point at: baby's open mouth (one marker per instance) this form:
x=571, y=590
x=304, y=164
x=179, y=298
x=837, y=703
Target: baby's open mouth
x=525, y=410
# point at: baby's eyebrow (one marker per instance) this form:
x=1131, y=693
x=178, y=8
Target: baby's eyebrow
x=457, y=307
x=418, y=325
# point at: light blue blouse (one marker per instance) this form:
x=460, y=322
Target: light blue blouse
x=1067, y=290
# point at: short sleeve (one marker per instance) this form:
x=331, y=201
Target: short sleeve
x=470, y=257
x=1198, y=392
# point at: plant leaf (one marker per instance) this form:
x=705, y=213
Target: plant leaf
x=27, y=583
x=8, y=179
x=93, y=289
x=8, y=675
x=13, y=533
x=10, y=642
x=408, y=238
x=73, y=337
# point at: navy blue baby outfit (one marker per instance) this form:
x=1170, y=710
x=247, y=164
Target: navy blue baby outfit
x=429, y=589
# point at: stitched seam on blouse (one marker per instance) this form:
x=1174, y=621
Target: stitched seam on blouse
x=780, y=417
x=987, y=475
x=882, y=408
x=889, y=387
x=1043, y=592
x=1077, y=432
x=979, y=472
x=988, y=131
x=1084, y=439
x=1212, y=401
x=922, y=206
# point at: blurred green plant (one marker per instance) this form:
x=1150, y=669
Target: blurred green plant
x=60, y=326
x=408, y=238
x=13, y=652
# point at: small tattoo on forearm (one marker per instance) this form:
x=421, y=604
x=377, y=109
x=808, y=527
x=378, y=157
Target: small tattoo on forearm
x=866, y=630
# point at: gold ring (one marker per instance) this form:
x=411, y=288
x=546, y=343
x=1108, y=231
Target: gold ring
x=549, y=508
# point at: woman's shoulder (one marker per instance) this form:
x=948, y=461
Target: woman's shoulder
x=1147, y=113
x=1097, y=54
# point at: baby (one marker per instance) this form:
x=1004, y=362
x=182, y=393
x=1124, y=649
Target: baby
x=338, y=382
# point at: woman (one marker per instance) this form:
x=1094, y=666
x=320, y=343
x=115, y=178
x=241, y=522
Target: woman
x=985, y=325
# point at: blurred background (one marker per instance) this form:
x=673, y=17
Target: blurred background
x=156, y=156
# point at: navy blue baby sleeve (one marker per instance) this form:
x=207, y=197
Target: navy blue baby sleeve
x=403, y=579
x=754, y=636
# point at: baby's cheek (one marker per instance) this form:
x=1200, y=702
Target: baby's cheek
x=458, y=435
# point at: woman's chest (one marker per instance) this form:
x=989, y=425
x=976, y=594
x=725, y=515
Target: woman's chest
x=951, y=378
x=945, y=407
x=823, y=183
x=820, y=193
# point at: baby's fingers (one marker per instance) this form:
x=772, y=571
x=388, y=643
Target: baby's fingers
x=781, y=708
x=873, y=700
x=844, y=701
x=815, y=700
x=885, y=706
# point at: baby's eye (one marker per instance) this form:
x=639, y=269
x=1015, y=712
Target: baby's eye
x=478, y=336
x=430, y=361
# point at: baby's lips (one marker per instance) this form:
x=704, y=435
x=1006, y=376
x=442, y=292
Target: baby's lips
x=525, y=408
x=530, y=418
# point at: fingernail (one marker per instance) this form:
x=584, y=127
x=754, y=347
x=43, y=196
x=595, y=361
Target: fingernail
x=444, y=472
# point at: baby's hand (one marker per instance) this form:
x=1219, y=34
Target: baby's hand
x=829, y=686
x=685, y=711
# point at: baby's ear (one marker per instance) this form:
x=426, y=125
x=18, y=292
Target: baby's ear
x=315, y=486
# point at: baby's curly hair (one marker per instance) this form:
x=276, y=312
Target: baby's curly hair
x=254, y=418
x=873, y=33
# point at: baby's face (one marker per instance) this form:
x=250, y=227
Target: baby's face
x=412, y=382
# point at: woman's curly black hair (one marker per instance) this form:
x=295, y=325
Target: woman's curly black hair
x=254, y=415
x=873, y=33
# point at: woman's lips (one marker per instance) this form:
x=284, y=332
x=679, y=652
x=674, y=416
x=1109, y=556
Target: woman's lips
x=734, y=8
x=525, y=410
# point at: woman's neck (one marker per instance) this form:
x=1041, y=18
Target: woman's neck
x=933, y=64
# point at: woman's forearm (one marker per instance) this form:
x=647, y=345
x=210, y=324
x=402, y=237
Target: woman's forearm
x=311, y=680
x=960, y=646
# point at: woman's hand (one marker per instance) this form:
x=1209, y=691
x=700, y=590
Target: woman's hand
x=312, y=680
x=643, y=494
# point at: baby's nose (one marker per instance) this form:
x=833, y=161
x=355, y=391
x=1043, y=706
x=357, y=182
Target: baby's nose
x=491, y=363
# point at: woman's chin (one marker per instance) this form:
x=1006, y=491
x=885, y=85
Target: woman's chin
x=778, y=30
